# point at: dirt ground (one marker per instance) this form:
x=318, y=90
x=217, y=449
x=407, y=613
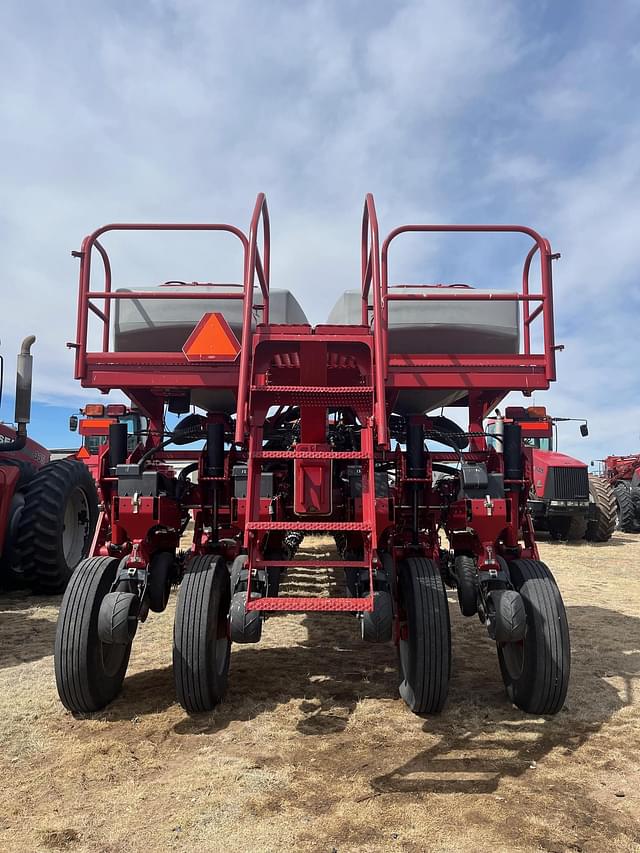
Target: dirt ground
x=313, y=751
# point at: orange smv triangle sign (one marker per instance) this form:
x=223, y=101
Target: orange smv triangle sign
x=211, y=340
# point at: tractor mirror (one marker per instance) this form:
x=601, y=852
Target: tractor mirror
x=73, y=423
x=584, y=430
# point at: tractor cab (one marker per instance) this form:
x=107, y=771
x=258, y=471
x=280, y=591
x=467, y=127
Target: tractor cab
x=536, y=426
x=96, y=419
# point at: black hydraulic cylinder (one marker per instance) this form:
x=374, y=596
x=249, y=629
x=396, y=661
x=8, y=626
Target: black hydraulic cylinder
x=117, y=444
x=415, y=450
x=512, y=452
x=215, y=449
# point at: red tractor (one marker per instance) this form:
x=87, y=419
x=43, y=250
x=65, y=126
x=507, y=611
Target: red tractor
x=565, y=499
x=623, y=473
x=93, y=426
x=48, y=510
x=304, y=431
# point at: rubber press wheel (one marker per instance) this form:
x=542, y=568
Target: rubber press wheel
x=201, y=645
x=424, y=650
x=466, y=572
x=536, y=669
x=89, y=673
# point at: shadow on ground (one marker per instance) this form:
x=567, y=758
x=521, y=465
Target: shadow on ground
x=24, y=637
x=480, y=737
x=615, y=541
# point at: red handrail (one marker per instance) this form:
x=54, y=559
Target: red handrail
x=370, y=265
x=545, y=297
x=254, y=264
x=85, y=294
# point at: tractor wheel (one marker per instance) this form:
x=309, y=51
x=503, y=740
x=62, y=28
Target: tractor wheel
x=11, y=573
x=626, y=510
x=601, y=528
x=559, y=527
x=577, y=528
x=567, y=528
x=466, y=572
x=535, y=670
x=89, y=673
x=57, y=523
x=424, y=649
x=201, y=645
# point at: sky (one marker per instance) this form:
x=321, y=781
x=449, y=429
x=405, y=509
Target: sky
x=465, y=111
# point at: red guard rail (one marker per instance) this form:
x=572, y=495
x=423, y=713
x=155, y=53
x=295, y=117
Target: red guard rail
x=375, y=274
x=370, y=265
x=255, y=263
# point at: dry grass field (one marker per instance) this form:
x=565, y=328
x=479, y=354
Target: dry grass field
x=313, y=751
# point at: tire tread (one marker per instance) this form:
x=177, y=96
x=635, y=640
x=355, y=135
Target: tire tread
x=42, y=560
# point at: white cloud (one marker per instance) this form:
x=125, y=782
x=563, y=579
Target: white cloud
x=184, y=110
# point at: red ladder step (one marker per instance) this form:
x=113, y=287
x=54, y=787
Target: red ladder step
x=318, y=395
x=313, y=564
x=316, y=605
x=309, y=526
x=310, y=454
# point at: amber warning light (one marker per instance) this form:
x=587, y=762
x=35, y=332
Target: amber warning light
x=212, y=340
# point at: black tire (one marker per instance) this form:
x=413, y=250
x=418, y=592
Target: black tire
x=273, y=581
x=245, y=626
x=117, y=618
x=89, y=673
x=355, y=580
x=536, y=670
x=239, y=573
x=510, y=616
x=626, y=511
x=11, y=574
x=466, y=573
x=377, y=625
x=601, y=528
x=424, y=650
x=273, y=574
x=567, y=528
x=577, y=529
x=26, y=471
x=268, y=582
x=57, y=523
x=161, y=570
x=201, y=645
